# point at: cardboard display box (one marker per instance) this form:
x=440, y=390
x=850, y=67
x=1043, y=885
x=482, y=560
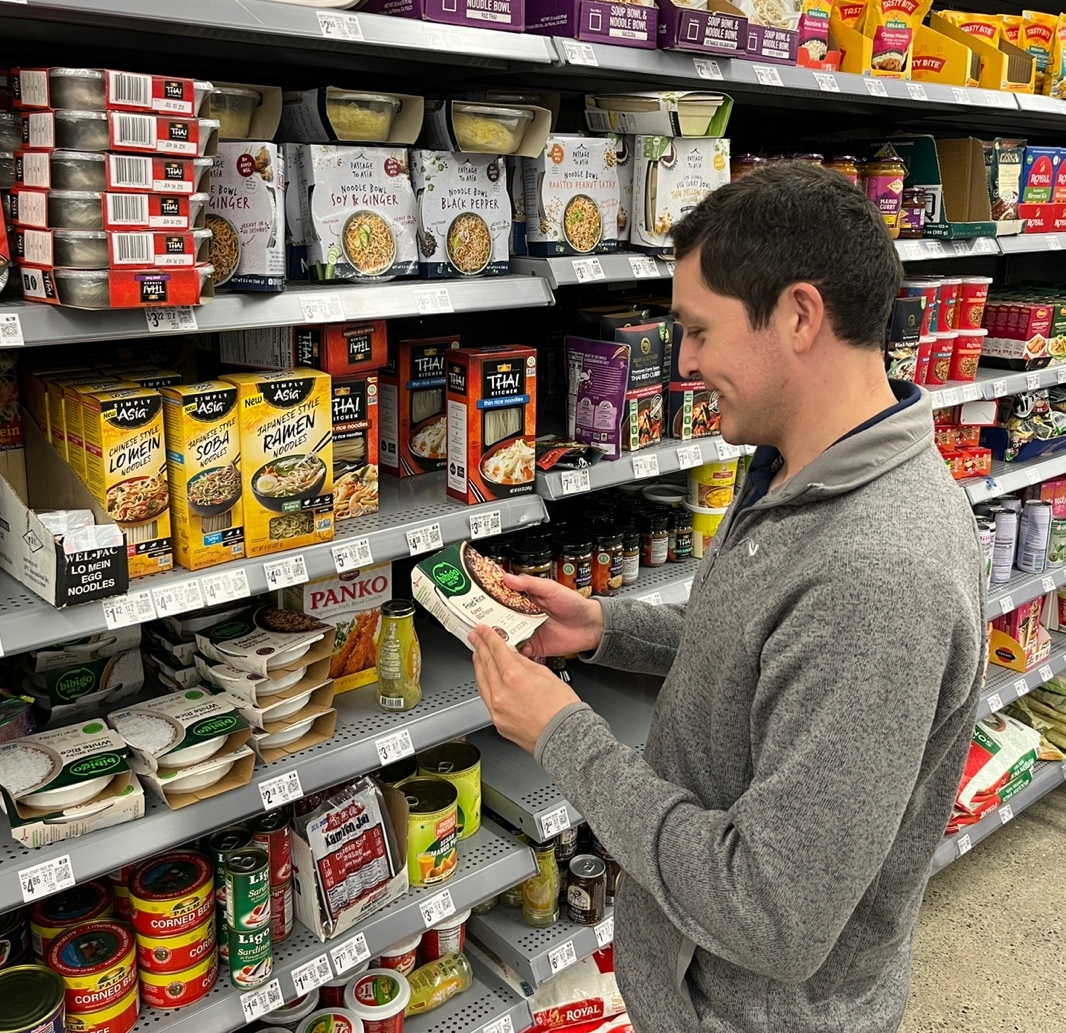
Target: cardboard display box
x=1003, y=66
x=595, y=21
x=938, y=58
x=503, y=15
x=719, y=29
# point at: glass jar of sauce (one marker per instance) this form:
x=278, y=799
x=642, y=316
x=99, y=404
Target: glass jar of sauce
x=572, y=563
x=912, y=214
x=607, y=561
x=532, y=557
x=680, y=530
x=742, y=164
x=630, y=556
x=847, y=165
x=883, y=181
x=654, y=538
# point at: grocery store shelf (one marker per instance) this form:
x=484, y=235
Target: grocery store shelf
x=927, y=248
x=1046, y=776
x=1026, y=242
x=48, y=324
x=617, y=268
x=1002, y=598
x=1042, y=105
x=450, y=707
x=996, y=383
x=538, y=954
x=489, y=1006
x=670, y=583
x=1008, y=477
x=1004, y=686
x=490, y=862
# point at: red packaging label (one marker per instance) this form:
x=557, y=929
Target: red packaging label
x=126, y=92
x=126, y=250
x=152, y=174
x=149, y=212
x=126, y=289
x=154, y=134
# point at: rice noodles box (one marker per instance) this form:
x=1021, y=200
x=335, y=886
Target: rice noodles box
x=355, y=447
x=203, y=441
x=464, y=214
x=126, y=471
x=492, y=405
x=286, y=459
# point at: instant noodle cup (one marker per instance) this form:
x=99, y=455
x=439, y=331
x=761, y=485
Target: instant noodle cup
x=970, y=309
x=446, y=937
x=97, y=965
x=711, y=485
x=966, y=354
x=940, y=363
x=947, y=298
x=119, y=1017
x=378, y=997
x=176, y=989
x=923, y=358
x=705, y=524
x=401, y=957
x=926, y=288
x=331, y=994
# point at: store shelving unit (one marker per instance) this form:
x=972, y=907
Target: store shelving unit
x=1028, y=243
x=1002, y=598
x=489, y=1006
x=616, y=268
x=927, y=248
x=1008, y=477
x=1004, y=685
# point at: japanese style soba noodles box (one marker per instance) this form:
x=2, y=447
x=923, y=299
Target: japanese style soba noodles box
x=126, y=470
x=203, y=440
x=286, y=421
x=492, y=406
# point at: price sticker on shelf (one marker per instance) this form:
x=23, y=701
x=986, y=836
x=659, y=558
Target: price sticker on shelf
x=1048, y=584
x=1060, y=375
x=575, y=481
x=443, y=38
x=349, y=954
x=335, y=25
x=995, y=702
x=917, y=91
x=964, y=844
x=120, y=611
x=437, y=908
x=827, y=82
x=501, y=1025
x=689, y=456
x=170, y=320
x=1032, y=476
x=258, y=1002
x=947, y=398
x=726, y=450
x=1032, y=381
x=767, y=75
x=433, y=301
x=999, y=388
x=1054, y=243
x=289, y=570
x=322, y=308
x=645, y=466
x=1046, y=673
x=46, y=878
x=554, y=822
x=984, y=246
x=605, y=932
x=314, y=973
x=910, y=251
x=11, y=330
x=1005, y=814
x=562, y=957
x=972, y=393
x=353, y=555
x=875, y=88
x=579, y=53
x=485, y=525
x=934, y=248
x=588, y=269
x=707, y=69
x=1006, y=604
x=654, y=598
x=643, y=266
x=392, y=748
x=226, y=586
x=180, y=598
x=424, y=539
x=280, y=790
x=1021, y=687
x=961, y=248
x=670, y=264
x=961, y=96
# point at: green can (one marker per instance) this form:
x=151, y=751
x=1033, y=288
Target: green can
x=1056, y=553
x=247, y=890
x=251, y=956
x=460, y=764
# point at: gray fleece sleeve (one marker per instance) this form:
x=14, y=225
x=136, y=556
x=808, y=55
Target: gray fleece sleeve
x=770, y=883
x=638, y=636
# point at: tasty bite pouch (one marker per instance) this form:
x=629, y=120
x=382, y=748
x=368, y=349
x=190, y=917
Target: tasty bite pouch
x=987, y=27
x=1053, y=79
x=891, y=24
x=850, y=12
x=1037, y=39
x=1011, y=28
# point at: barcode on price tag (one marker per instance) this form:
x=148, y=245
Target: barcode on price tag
x=1006, y=604
x=707, y=69
x=433, y=301
x=984, y=246
x=999, y=388
x=995, y=702
x=322, y=308
x=605, y=932
x=437, y=908
x=121, y=611
x=575, y=481
x=179, y=598
x=826, y=82
x=349, y=954
x=501, y=1025
x=280, y=790
x=655, y=598
x=392, y=748
x=964, y=844
x=588, y=269
x=579, y=53
x=353, y=555
x=316, y=972
x=289, y=570
x=727, y=451
x=424, y=539
x=46, y=878
x=258, y=1002
x=1053, y=242
x=1060, y=375
x=1005, y=814
x=1032, y=475
x=911, y=251
x=917, y=91
x=335, y=25
x=645, y=466
x=485, y=525
x=225, y=586
x=689, y=456
x=961, y=247
x=1046, y=674
x=11, y=331
x=934, y=247
x=554, y=822
x=767, y=75
x=1021, y=687
x=562, y=957
x=960, y=95
x=643, y=266
x=1032, y=381
x=875, y=88
x=170, y=320
x=1048, y=584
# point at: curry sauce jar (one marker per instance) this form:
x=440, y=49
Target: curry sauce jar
x=432, y=830
x=119, y=1017
x=89, y=902
x=31, y=1000
x=165, y=954
x=170, y=990
x=171, y=894
x=97, y=964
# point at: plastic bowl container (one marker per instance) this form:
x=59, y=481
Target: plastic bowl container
x=10, y=131
x=289, y=734
x=290, y=1015
x=290, y=706
x=272, y=686
x=78, y=170
x=705, y=524
x=82, y=131
x=233, y=107
x=68, y=796
x=197, y=780
x=80, y=89
x=76, y=210
x=91, y=288
x=487, y=129
x=378, y=997
x=364, y=117
x=192, y=754
x=88, y=249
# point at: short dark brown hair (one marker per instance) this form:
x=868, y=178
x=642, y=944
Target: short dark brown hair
x=795, y=222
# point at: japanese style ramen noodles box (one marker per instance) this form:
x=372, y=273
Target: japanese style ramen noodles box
x=203, y=441
x=286, y=459
x=126, y=471
x=414, y=422
x=492, y=407
x=355, y=447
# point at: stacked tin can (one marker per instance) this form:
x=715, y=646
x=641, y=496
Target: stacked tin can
x=98, y=966
x=16, y=948
x=53, y=916
x=270, y=832
x=217, y=846
x=251, y=950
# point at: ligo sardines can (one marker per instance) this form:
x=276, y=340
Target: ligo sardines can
x=88, y=902
x=270, y=832
x=177, y=989
x=31, y=1000
x=247, y=890
x=220, y=932
x=459, y=763
x=432, y=834
x=251, y=957
x=171, y=894
x=221, y=844
x=16, y=947
x=176, y=953
x=119, y=1017
x=281, y=912
x=96, y=963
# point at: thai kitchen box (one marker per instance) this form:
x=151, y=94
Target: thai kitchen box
x=342, y=349
x=355, y=447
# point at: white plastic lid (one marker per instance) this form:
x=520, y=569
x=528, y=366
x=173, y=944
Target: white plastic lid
x=289, y=1015
x=77, y=73
x=397, y=985
x=940, y=334
x=977, y=279
x=454, y=921
x=404, y=947
x=75, y=195
x=704, y=510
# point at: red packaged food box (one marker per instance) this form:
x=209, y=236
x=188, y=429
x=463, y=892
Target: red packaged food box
x=119, y=131
x=945, y=417
x=141, y=250
x=340, y=349
x=37, y=209
x=116, y=173
x=117, y=288
x=92, y=89
x=976, y=462
x=946, y=438
x=355, y=447
x=968, y=437
x=953, y=461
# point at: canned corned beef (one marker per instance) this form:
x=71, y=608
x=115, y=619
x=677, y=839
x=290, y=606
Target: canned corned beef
x=171, y=894
x=16, y=947
x=85, y=903
x=119, y=1017
x=97, y=964
x=177, y=989
x=164, y=954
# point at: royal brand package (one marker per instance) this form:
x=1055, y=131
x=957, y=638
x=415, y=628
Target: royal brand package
x=464, y=214
x=63, y=693
x=339, y=349
x=355, y=447
x=414, y=421
x=492, y=415
x=263, y=639
x=246, y=217
x=286, y=459
x=351, y=602
x=597, y=377
x=203, y=451
x=572, y=197
x=126, y=470
x=692, y=410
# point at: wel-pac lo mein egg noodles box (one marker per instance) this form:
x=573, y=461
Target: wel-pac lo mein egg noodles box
x=203, y=441
x=492, y=406
x=286, y=459
x=355, y=447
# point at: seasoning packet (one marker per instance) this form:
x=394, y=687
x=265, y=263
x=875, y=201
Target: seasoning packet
x=1037, y=39
x=642, y=414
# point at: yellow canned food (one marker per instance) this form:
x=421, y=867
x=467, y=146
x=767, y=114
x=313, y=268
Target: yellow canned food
x=432, y=833
x=460, y=764
x=711, y=485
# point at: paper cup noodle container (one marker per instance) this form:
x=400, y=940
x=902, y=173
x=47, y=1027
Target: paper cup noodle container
x=378, y=997
x=970, y=309
x=923, y=358
x=705, y=524
x=947, y=299
x=967, y=354
x=927, y=289
x=939, y=371
x=711, y=485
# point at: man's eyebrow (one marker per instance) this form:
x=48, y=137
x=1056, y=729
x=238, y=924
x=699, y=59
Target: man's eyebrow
x=674, y=315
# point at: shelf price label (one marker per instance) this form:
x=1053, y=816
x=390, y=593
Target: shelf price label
x=280, y=790
x=1053, y=242
x=995, y=702
x=579, y=53
x=258, y=1002
x=226, y=586
x=554, y=822
x=433, y=301
x=501, y=1025
x=1032, y=381
x=170, y=320
x=984, y=246
x=316, y=972
x=655, y=598
x=352, y=555
x=827, y=82
x=1021, y=687
x=1006, y=604
x=392, y=748
x=575, y=481
x=726, y=450
x=875, y=88
x=947, y=399
x=1005, y=814
x=11, y=330
x=588, y=269
x=442, y=37
x=1048, y=584
x=335, y=25
x=289, y=570
x=645, y=466
x=911, y=251
x=917, y=91
x=1046, y=673
x=767, y=75
x=999, y=388
x=437, y=908
x=961, y=248
x=1060, y=375
x=485, y=525
x=562, y=957
x=120, y=611
x=605, y=932
x=46, y=878
x=424, y=539
x=971, y=393
x=643, y=267
x=934, y=248
x=689, y=456
x=322, y=308
x=179, y=598
x=349, y=954
x=961, y=96
x=964, y=844
x=707, y=69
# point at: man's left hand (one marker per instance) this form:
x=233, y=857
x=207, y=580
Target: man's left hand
x=522, y=696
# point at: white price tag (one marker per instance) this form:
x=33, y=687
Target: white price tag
x=726, y=450
x=934, y=248
x=588, y=269
x=322, y=308
x=180, y=598
x=562, y=957
x=972, y=393
x=170, y=320
x=669, y=263
x=995, y=702
x=767, y=75
x=424, y=539
x=1006, y=604
x=961, y=247
x=1046, y=673
x=280, y=790
x=687, y=586
x=1005, y=814
x=335, y=25
x=392, y=748
x=999, y=388
x=911, y=251
x=46, y=878
x=226, y=586
x=258, y=1002
x=579, y=53
x=689, y=456
x=11, y=330
x=961, y=96
x=554, y=822
x=1032, y=381
x=437, y=908
x=433, y=301
x=289, y=570
x=349, y=954
x=655, y=598
x=1060, y=375
x=1032, y=476
x=1053, y=242
x=575, y=481
x=645, y=466
x=605, y=932
x=917, y=91
x=443, y=38
x=1048, y=584
x=827, y=82
x=875, y=88
x=316, y=972
x=1021, y=687
x=643, y=266
x=964, y=844
x=707, y=69
x=984, y=246
x=501, y=1025
x=947, y=398
x=120, y=611
x=353, y=555
x=485, y=525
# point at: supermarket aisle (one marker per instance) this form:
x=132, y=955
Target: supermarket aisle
x=988, y=957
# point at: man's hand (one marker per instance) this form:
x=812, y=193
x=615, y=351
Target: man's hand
x=522, y=696
x=574, y=625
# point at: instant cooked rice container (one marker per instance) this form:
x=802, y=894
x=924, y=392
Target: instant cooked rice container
x=262, y=640
x=111, y=289
x=332, y=114
x=81, y=686
x=485, y=128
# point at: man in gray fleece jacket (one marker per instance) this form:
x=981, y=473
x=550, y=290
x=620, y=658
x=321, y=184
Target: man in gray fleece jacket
x=820, y=686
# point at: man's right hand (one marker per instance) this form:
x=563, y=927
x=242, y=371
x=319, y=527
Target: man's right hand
x=574, y=625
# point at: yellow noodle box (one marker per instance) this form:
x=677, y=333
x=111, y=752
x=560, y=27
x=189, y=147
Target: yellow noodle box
x=1036, y=38
x=1054, y=84
x=984, y=26
x=1011, y=28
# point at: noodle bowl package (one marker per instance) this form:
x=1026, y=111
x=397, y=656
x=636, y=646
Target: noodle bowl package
x=464, y=214
x=355, y=447
x=492, y=407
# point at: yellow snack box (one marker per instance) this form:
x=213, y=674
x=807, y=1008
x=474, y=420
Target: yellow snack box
x=72, y=416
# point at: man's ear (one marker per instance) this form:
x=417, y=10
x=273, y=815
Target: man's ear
x=802, y=315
